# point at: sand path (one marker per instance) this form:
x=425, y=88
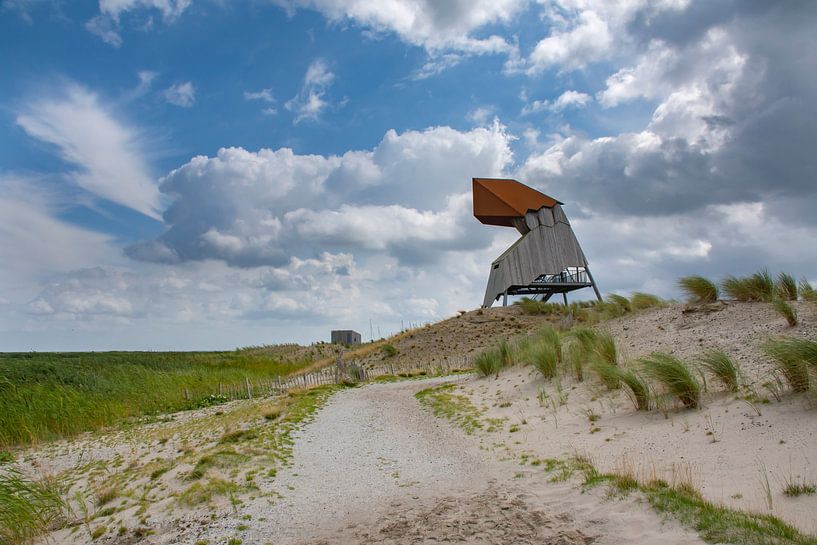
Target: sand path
x=376, y=467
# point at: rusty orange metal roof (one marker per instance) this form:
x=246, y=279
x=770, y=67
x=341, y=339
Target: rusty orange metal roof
x=498, y=200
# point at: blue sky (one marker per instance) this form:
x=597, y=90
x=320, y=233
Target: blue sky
x=198, y=174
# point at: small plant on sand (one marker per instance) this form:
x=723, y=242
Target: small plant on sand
x=27, y=508
x=786, y=287
x=388, y=350
x=675, y=375
x=786, y=310
x=488, y=363
x=794, y=488
x=699, y=289
x=721, y=366
x=757, y=287
x=793, y=358
x=544, y=358
x=642, y=301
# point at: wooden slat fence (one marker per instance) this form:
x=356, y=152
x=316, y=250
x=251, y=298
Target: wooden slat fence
x=329, y=375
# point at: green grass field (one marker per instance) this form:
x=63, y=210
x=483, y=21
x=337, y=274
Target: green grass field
x=45, y=396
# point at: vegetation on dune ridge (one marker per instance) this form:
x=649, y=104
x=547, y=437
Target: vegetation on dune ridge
x=44, y=396
x=759, y=286
x=699, y=289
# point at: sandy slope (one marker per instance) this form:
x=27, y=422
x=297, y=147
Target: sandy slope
x=730, y=449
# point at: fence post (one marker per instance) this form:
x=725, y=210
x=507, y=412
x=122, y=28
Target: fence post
x=249, y=388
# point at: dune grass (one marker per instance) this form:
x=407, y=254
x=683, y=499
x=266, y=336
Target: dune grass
x=544, y=357
x=675, y=375
x=506, y=353
x=573, y=358
x=643, y=301
x=620, y=301
x=699, y=289
x=786, y=287
x=27, y=508
x=722, y=367
x=488, y=363
x=794, y=358
x=758, y=287
x=807, y=291
x=608, y=373
x=549, y=335
x=45, y=396
x=637, y=388
x=786, y=311
x=605, y=347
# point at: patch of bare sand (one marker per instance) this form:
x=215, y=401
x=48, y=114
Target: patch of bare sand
x=737, y=452
x=488, y=516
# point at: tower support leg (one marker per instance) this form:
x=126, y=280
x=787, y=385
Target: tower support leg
x=564, y=296
x=505, y=299
x=593, y=282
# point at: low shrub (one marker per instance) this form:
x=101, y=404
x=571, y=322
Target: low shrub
x=698, y=289
x=675, y=375
x=388, y=350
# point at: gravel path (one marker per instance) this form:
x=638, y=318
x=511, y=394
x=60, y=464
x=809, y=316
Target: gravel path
x=375, y=467
x=367, y=448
